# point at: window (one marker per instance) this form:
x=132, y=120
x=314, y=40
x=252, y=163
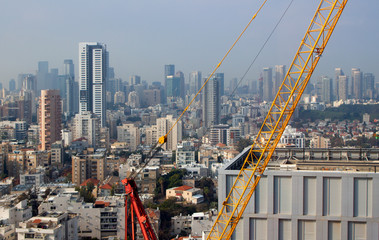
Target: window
x=357, y=231
x=334, y=230
x=306, y=230
x=362, y=197
x=258, y=229
x=261, y=196
x=285, y=229
x=332, y=197
x=282, y=195
x=309, y=193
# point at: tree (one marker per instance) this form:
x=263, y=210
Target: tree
x=243, y=143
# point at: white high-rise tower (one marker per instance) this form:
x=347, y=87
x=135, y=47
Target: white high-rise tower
x=93, y=67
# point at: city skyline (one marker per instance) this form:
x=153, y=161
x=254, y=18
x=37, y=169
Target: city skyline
x=166, y=34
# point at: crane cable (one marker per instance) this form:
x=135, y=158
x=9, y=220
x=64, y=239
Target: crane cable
x=262, y=47
x=163, y=139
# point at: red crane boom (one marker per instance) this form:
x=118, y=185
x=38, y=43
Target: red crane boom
x=136, y=207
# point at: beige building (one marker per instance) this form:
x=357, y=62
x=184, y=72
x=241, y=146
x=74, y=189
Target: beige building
x=151, y=135
x=130, y=134
x=163, y=126
x=186, y=193
x=49, y=118
x=88, y=166
x=87, y=125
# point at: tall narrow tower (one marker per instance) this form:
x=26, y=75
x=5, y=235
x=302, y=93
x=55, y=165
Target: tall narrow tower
x=93, y=67
x=211, y=103
x=49, y=118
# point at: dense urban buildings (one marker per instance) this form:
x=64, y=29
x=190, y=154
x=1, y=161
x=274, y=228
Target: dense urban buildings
x=62, y=158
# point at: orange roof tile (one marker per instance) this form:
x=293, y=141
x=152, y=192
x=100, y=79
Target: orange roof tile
x=182, y=188
x=92, y=180
x=106, y=186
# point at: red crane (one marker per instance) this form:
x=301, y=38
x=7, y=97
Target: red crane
x=136, y=208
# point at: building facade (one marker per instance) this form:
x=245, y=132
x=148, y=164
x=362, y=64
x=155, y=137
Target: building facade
x=93, y=69
x=49, y=118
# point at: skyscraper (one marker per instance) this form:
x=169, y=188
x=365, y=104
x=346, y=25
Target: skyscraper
x=43, y=75
x=12, y=85
x=49, y=118
x=356, y=79
x=134, y=80
x=338, y=72
x=93, y=67
x=69, y=75
x=342, y=91
x=326, y=92
x=182, y=90
x=280, y=73
x=195, y=81
x=163, y=125
x=267, y=84
x=369, y=85
x=211, y=103
x=220, y=79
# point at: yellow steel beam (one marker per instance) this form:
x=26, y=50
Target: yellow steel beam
x=310, y=50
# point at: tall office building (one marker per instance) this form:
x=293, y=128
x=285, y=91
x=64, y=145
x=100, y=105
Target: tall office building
x=356, y=79
x=220, y=79
x=369, y=85
x=280, y=73
x=338, y=72
x=182, y=87
x=195, y=81
x=49, y=118
x=169, y=70
x=12, y=85
x=69, y=76
x=342, y=91
x=93, y=67
x=267, y=84
x=211, y=103
x=326, y=91
x=134, y=80
x=42, y=76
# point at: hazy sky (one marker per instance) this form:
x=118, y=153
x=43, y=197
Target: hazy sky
x=142, y=36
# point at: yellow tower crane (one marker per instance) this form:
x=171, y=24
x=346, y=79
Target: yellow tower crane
x=311, y=48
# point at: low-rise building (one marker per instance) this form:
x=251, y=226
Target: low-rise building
x=185, y=193
x=52, y=226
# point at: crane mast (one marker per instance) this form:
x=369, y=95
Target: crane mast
x=309, y=52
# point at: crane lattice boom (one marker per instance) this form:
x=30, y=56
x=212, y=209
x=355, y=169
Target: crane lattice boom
x=311, y=48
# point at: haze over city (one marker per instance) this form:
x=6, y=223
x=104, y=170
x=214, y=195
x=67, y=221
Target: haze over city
x=143, y=36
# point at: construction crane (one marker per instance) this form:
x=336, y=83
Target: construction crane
x=136, y=210
x=310, y=50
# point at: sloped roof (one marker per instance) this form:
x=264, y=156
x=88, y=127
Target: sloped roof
x=92, y=180
x=182, y=188
x=106, y=186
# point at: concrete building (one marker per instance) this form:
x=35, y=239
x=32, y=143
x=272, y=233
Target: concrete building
x=57, y=153
x=130, y=134
x=211, y=103
x=93, y=75
x=219, y=134
x=308, y=199
x=292, y=138
x=13, y=211
x=52, y=226
x=32, y=179
x=85, y=166
x=87, y=125
x=320, y=142
x=163, y=126
x=19, y=127
x=49, y=118
x=185, y=154
x=102, y=220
